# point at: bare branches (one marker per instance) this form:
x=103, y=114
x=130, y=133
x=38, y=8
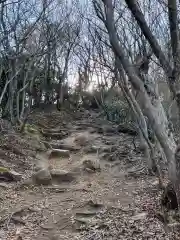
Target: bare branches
x=31, y=32
x=174, y=32
x=149, y=36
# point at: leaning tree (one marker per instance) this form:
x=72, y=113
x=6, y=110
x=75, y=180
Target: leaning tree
x=138, y=74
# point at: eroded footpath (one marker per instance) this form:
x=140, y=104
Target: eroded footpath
x=82, y=186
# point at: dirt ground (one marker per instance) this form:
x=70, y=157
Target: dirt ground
x=109, y=201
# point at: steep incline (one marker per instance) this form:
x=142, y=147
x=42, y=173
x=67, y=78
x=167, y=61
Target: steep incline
x=83, y=187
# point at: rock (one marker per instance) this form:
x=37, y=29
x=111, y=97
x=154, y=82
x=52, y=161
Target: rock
x=47, y=226
x=16, y=176
x=92, y=164
x=26, y=182
x=109, y=149
x=41, y=161
x=55, y=135
x=4, y=185
x=107, y=142
x=42, y=177
x=94, y=204
x=18, y=220
x=107, y=129
x=86, y=214
x=57, y=153
x=61, y=175
x=89, y=170
x=109, y=157
x=91, y=149
x=81, y=140
x=54, y=237
x=54, y=130
x=65, y=146
x=9, y=175
x=139, y=216
x=104, y=149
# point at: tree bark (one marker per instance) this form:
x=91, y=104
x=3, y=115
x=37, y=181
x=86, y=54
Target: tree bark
x=174, y=32
x=172, y=73
x=139, y=118
x=158, y=123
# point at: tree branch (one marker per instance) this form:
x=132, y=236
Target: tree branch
x=138, y=15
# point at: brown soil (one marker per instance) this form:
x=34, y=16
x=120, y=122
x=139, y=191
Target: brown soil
x=105, y=204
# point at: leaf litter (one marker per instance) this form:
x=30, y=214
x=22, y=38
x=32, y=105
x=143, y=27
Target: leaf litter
x=108, y=204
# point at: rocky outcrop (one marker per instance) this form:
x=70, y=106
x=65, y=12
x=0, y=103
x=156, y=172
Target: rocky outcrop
x=42, y=177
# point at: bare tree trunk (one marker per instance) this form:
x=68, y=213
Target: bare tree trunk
x=172, y=73
x=60, y=94
x=174, y=32
x=29, y=106
x=48, y=77
x=132, y=5
x=23, y=101
x=26, y=83
x=145, y=144
x=12, y=89
x=22, y=90
x=161, y=130
x=6, y=85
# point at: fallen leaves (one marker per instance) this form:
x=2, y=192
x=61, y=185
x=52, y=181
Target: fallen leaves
x=122, y=208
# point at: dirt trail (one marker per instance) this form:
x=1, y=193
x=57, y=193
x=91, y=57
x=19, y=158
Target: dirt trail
x=102, y=203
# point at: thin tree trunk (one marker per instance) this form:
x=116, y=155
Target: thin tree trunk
x=22, y=90
x=172, y=73
x=174, y=32
x=141, y=122
x=161, y=130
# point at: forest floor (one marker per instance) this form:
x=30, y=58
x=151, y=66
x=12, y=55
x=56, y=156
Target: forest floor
x=108, y=200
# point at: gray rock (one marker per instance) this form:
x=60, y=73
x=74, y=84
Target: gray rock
x=57, y=153
x=109, y=149
x=91, y=149
x=42, y=177
x=107, y=129
x=26, y=182
x=64, y=146
x=61, y=175
x=16, y=176
x=81, y=140
x=139, y=216
x=92, y=164
x=10, y=175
